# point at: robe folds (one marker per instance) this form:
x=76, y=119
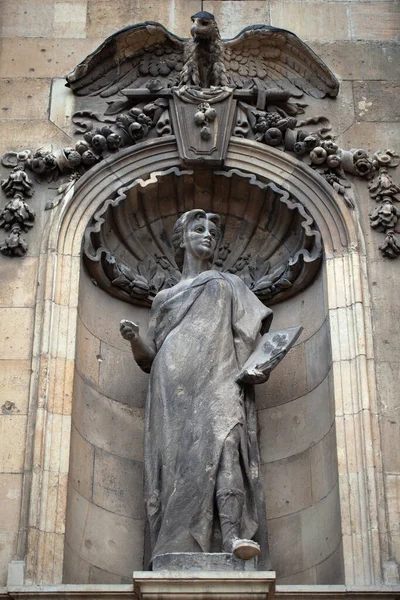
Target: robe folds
x=203, y=333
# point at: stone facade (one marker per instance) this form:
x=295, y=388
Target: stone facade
x=329, y=418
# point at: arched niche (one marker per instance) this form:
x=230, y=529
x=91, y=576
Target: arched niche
x=312, y=527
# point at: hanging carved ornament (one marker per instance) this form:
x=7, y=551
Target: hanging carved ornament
x=16, y=217
x=272, y=245
x=144, y=82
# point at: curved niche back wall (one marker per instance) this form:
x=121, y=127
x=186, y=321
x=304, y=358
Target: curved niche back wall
x=105, y=512
x=298, y=449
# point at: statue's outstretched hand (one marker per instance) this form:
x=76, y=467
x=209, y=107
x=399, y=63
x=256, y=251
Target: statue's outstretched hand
x=128, y=329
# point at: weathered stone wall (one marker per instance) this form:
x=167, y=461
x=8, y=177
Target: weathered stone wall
x=44, y=39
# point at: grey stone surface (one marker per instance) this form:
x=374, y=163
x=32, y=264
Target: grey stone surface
x=108, y=541
x=316, y=528
x=130, y=387
x=202, y=561
x=310, y=309
x=81, y=464
x=100, y=576
x=287, y=382
x=285, y=533
x=309, y=577
x=287, y=484
x=376, y=100
x=98, y=321
x=323, y=466
x=373, y=60
x=108, y=424
x=293, y=427
x=75, y=568
x=118, y=484
x=320, y=529
x=331, y=569
x=318, y=356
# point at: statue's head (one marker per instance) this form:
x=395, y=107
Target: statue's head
x=204, y=26
x=196, y=232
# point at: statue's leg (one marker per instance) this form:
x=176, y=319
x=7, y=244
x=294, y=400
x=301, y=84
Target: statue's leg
x=230, y=499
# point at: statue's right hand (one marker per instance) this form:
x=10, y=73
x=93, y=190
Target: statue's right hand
x=128, y=329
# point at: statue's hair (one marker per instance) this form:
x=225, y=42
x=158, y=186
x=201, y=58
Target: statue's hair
x=182, y=224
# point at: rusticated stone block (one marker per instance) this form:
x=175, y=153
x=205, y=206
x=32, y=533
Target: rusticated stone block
x=101, y=576
x=118, y=485
x=19, y=135
x=33, y=57
x=291, y=428
x=105, y=18
x=16, y=326
x=81, y=464
x=331, y=569
x=106, y=540
x=14, y=386
x=76, y=570
x=24, y=98
x=320, y=529
x=375, y=20
x=364, y=60
x=370, y=136
x=329, y=19
x=377, y=100
x=131, y=386
x=8, y=548
x=318, y=356
x=307, y=577
x=12, y=443
x=104, y=322
x=107, y=424
x=233, y=16
x=87, y=354
x=323, y=466
x=287, y=485
x=288, y=381
x=27, y=18
x=18, y=286
x=70, y=21
x=284, y=533
x=10, y=493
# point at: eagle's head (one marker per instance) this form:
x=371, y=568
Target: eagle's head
x=204, y=26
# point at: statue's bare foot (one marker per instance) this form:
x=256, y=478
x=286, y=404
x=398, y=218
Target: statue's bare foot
x=245, y=549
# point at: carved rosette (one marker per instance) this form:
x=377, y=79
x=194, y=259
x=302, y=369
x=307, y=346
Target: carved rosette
x=268, y=240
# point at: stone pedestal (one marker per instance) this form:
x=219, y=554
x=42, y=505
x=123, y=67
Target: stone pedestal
x=202, y=561
x=212, y=585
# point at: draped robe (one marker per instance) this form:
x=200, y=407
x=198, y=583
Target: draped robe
x=203, y=333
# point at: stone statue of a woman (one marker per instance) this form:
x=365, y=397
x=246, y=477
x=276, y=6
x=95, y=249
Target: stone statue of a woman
x=202, y=487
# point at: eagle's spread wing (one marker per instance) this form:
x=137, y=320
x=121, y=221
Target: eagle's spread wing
x=130, y=57
x=268, y=57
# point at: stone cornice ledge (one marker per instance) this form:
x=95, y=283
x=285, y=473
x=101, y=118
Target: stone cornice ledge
x=282, y=592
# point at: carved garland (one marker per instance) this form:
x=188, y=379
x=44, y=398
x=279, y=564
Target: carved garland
x=273, y=127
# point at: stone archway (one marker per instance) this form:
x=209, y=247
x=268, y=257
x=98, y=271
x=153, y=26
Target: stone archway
x=349, y=320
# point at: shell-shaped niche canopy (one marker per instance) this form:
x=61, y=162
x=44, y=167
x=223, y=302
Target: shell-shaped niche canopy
x=268, y=238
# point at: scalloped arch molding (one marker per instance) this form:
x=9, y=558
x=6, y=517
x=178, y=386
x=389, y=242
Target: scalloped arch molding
x=362, y=517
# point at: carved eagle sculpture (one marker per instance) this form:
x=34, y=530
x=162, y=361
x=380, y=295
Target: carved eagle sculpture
x=148, y=55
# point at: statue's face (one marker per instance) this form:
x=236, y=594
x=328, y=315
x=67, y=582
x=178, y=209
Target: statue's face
x=200, y=238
